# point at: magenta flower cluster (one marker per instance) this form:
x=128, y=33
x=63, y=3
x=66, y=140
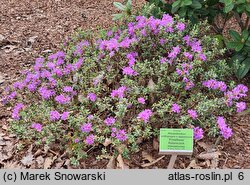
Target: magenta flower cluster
x=109, y=121
x=37, y=126
x=145, y=115
x=198, y=133
x=121, y=135
x=225, y=131
x=55, y=115
x=214, y=84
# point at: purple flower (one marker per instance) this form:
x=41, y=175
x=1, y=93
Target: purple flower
x=91, y=97
x=131, y=57
x=141, y=100
x=51, y=65
x=145, y=115
x=54, y=115
x=76, y=140
x=114, y=130
x=121, y=135
x=198, y=133
x=68, y=89
x=189, y=85
x=175, y=51
x=162, y=42
x=196, y=46
x=188, y=55
x=87, y=127
x=90, y=117
x=225, y=131
x=119, y=92
x=129, y=71
x=62, y=99
x=180, y=26
x=19, y=85
x=109, y=121
x=37, y=126
x=90, y=139
x=202, y=57
x=163, y=60
x=64, y=116
x=214, y=84
x=176, y=108
x=78, y=64
x=221, y=122
x=192, y=113
x=46, y=93
x=241, y=106
x=17, y=108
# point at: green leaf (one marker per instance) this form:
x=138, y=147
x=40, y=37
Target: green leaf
x=176, y=3
x=187, y=2
x=196, y=5
x=240, y=8
x=182, y=11
x=212, y=2
x=129, y=4
x=245, y=34
x=248, y=7
x=175, y=8
x=243, y=69
x=228, y=7
x=220, y=40
x=237, y=46
x=117, y=16
x=247, y=43
x=227, y=2
x=119, y=6
x=236, y=36
x=240, y=1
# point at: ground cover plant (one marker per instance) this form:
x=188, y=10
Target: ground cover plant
x=118, y=88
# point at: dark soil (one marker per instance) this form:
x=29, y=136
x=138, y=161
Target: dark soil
x=31, y=28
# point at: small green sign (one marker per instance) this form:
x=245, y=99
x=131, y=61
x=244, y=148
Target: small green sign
x=176, y=141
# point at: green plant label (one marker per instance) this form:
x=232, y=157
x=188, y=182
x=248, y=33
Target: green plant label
x=176, y=141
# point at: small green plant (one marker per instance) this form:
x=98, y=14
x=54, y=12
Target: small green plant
x=126, y=10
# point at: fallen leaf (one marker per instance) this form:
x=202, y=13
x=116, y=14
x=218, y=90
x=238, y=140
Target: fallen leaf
x=209, y=156
x=155, y=144
x=107, y=142
x=153, y=162
x=38, y=152
x=4, y=127
x=120, y=163
x=146, y=156
x=40, y=161
x=204, y=145
x=193, y=165
x=1, y=79
x=48, y=162
x=121, y=148
x=111, y=163
x=27, y=160
x=12, y=165
x=151, y=84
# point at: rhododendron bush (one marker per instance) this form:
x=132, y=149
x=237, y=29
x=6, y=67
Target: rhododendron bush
x=123, y=86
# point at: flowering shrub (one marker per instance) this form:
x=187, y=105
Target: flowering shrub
x=124, y=86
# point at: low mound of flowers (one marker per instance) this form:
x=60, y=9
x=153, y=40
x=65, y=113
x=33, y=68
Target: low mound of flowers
x=121, y=87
